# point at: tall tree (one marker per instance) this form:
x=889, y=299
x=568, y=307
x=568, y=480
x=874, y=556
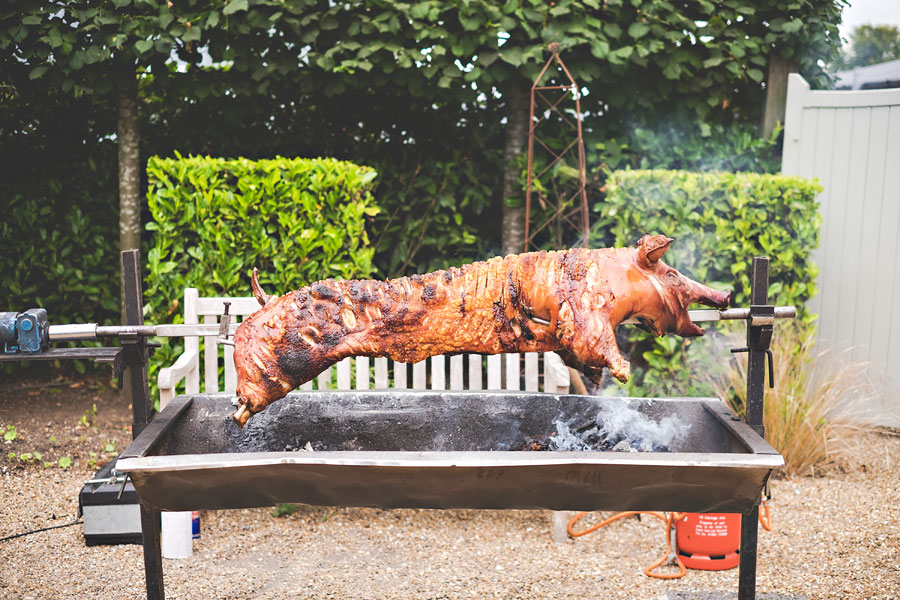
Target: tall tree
x=870, y=45
x=637, y=58
x=95, y=47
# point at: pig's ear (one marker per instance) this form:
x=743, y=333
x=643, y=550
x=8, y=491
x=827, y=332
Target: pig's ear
x=651, y=248
x=261, y=296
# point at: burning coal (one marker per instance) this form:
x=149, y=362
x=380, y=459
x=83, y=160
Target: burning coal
x=620, y=428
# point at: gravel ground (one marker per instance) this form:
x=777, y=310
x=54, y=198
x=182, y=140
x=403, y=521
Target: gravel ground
x=836, y=536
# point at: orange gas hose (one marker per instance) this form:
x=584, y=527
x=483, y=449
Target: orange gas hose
x=668, y=518
x=765, y=519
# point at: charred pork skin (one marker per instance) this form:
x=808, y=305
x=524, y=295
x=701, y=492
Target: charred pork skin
x=568, y=301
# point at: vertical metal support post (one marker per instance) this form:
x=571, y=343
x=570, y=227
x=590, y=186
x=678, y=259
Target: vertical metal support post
x=757, y=344
x=136, y=378
x=137, y=389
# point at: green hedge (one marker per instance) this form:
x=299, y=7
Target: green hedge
x=63, y=260
x=59, y=238
x=720, y=221
x=213, y=220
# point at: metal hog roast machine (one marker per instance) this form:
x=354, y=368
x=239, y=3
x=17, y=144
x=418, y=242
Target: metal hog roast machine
x=433, y=449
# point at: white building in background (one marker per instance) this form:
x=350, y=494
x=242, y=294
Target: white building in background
x=882, y=75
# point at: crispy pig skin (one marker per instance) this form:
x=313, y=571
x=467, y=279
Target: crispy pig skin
x=568, y=301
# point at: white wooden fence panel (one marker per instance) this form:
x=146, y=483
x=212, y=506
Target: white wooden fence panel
x=420, y=376
x=381, y=373
x=494, y=381
x=823, y=142
x=531, y=371
x=324, y=379
x=850, y=141
x=456, y=372
x=438, y=373
x=475, y=372
x=230, y=372
x=830, y=247
x=864, y=295
x=210, y=357
x=851, y=261
x=343, y=374
x=362, y=372
x=887, y=292
x=400, y=375
x=192, y=344
x=512, y=372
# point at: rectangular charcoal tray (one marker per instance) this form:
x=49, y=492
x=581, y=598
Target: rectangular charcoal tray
x=430, y=449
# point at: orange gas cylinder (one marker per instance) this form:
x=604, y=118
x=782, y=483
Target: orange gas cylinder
x=709, y=541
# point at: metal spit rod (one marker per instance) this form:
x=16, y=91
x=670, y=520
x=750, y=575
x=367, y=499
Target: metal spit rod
x=92, y=331
x=732, y=314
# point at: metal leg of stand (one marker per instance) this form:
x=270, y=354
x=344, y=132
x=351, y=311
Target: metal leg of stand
x=749, y=536
x=153, y=573
x=758, y=338
x=136, y=386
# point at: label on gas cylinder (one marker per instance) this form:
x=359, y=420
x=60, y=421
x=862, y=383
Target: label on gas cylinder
x=711, y=526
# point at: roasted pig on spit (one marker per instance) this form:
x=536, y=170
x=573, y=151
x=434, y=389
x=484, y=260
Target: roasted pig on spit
x=569, y=302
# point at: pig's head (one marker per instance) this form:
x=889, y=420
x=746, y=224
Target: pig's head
x=666, y=311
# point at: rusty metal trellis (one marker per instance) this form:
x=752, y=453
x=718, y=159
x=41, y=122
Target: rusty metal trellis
x=581, y=210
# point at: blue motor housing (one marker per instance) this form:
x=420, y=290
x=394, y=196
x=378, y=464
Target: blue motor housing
x=26, y=332
x=8, y=336
x=33, y=330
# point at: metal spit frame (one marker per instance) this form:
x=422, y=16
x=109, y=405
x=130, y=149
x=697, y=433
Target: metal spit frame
x=130, y=362
x=132, y=358
x=759, y=335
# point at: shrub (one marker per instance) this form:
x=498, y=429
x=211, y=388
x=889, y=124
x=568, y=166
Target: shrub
x=813, y=416
x=61, y=254
x=213, y=220
x=677, y=139
x=64, y=260
x=720, y=221
x=59, y=233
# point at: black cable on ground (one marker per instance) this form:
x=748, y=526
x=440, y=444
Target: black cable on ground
x=18, y=535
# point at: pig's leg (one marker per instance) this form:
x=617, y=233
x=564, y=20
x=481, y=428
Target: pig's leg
x=605, y=350
x=591, y=341
x=592, y=373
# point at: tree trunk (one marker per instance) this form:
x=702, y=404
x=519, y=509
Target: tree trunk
x=513, y=230
x=776, y=93
x=128, y=140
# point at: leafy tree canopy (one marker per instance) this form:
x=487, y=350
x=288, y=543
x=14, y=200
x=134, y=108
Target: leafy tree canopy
x=870, y=45
x=701, y=50
x=310, y=78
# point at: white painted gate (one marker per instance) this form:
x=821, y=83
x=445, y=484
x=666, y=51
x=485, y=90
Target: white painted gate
x=850, y=141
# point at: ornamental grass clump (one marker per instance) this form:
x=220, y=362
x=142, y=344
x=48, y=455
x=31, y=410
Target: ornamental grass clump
x=817, y=410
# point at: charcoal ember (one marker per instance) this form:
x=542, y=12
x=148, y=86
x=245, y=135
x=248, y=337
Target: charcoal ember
x=536, y=444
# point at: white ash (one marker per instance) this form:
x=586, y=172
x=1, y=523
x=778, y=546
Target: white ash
x=619, y=428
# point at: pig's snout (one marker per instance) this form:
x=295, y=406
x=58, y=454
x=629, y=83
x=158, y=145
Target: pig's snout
x=715, y=298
